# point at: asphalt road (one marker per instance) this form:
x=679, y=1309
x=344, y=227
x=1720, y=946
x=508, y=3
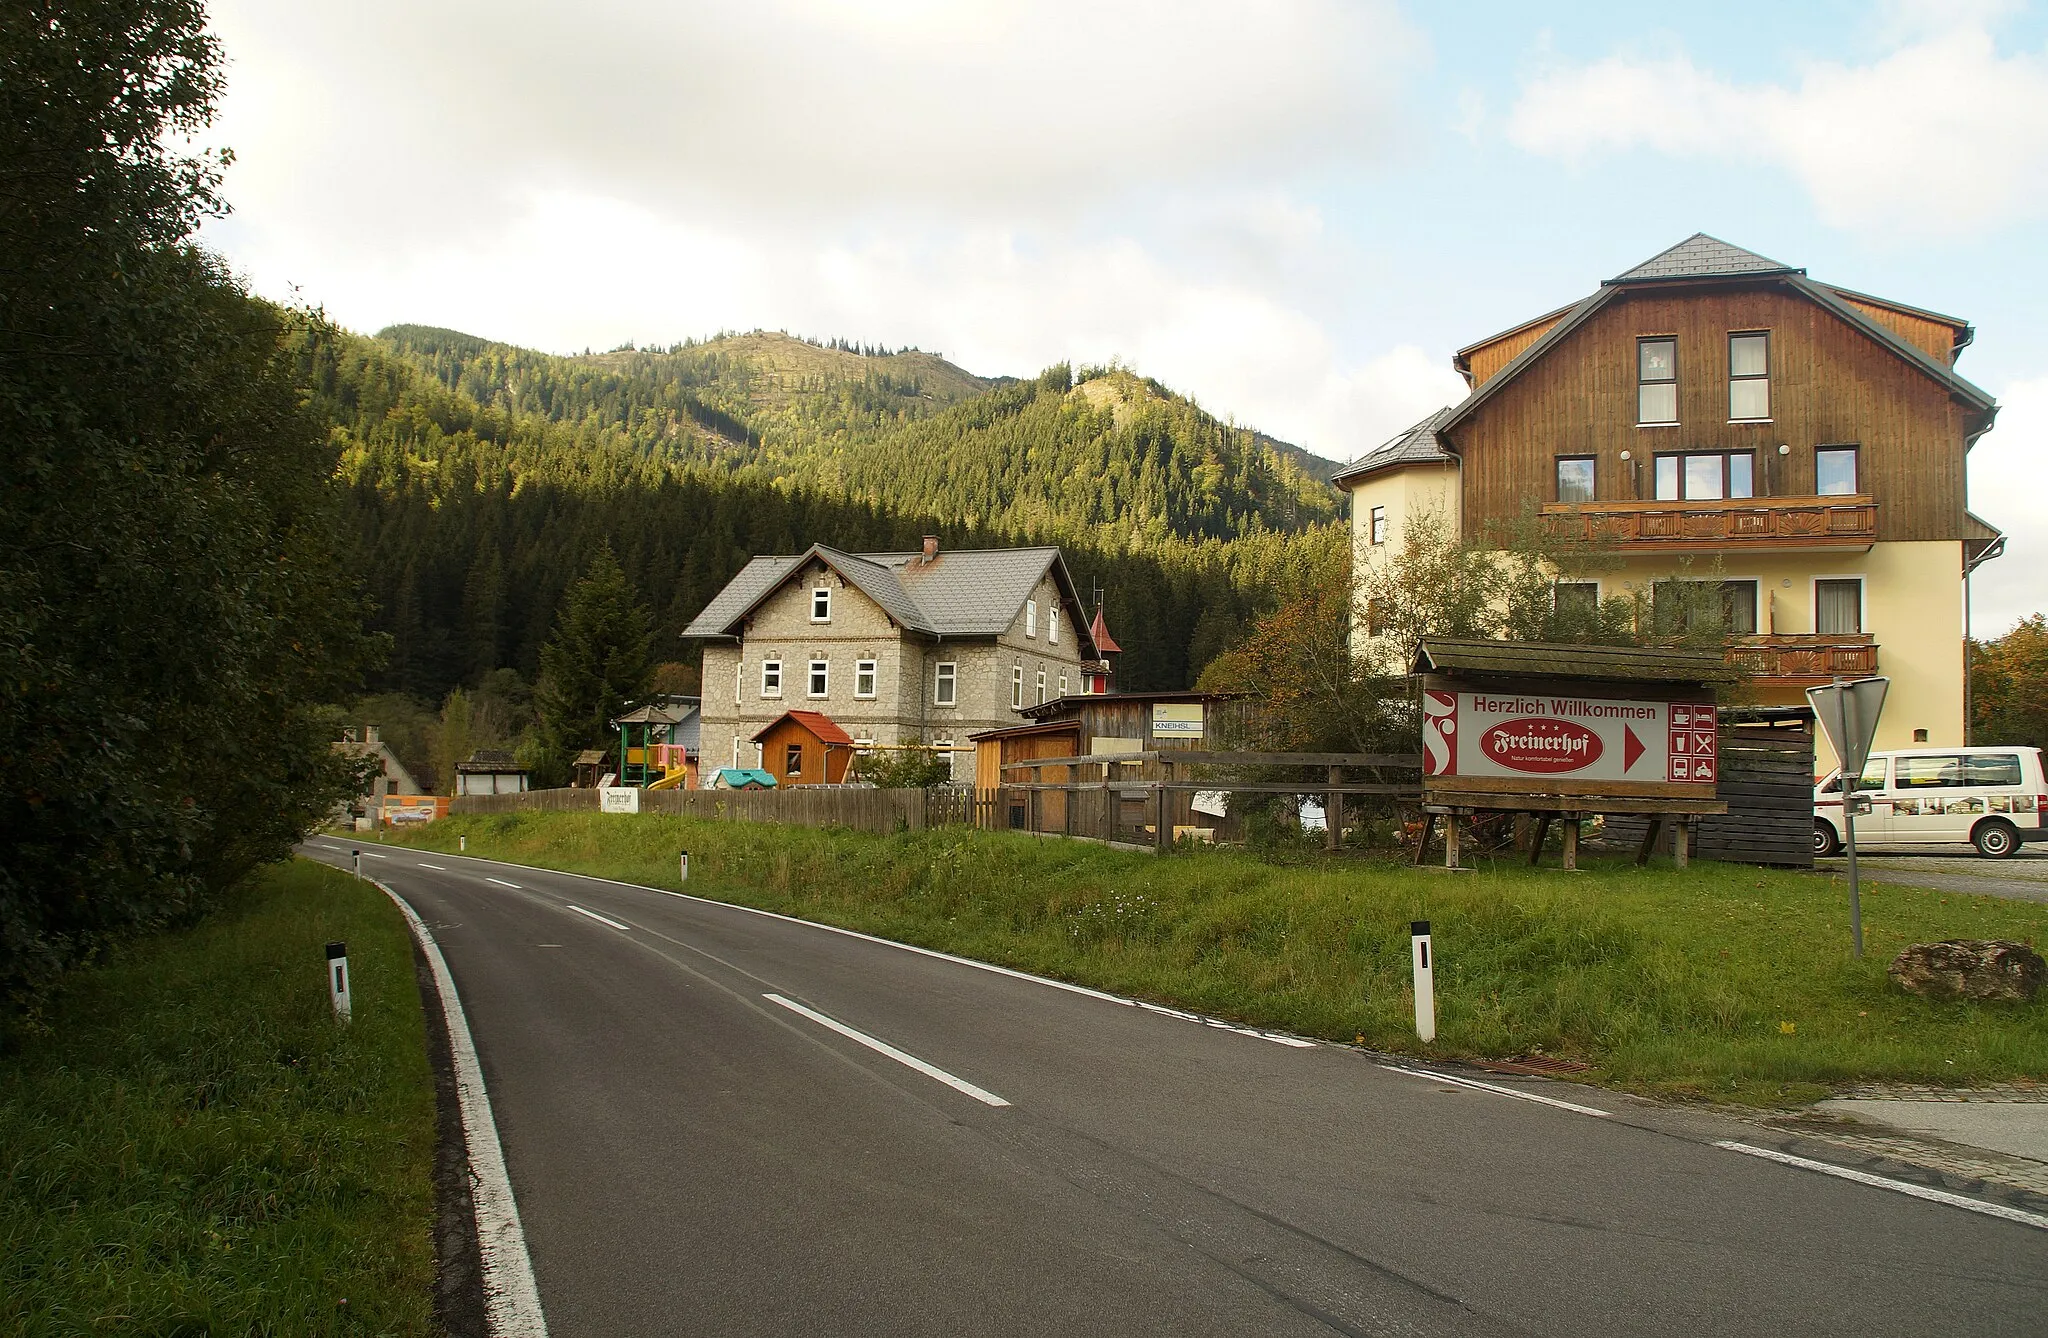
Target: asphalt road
x=692, y=1156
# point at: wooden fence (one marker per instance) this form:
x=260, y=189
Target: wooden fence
x=1767, y=783
x=859, y=809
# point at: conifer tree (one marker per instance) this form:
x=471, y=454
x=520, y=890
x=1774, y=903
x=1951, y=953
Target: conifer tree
x=595, y=665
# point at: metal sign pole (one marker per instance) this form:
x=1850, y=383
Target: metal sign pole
x=1849, y=846
x=1847, y=713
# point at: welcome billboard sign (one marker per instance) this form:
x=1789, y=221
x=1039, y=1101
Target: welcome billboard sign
x=1546, y=742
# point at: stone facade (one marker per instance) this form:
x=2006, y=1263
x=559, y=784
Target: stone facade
x=903, y=706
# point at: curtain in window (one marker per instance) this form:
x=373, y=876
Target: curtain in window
x=1838, y=607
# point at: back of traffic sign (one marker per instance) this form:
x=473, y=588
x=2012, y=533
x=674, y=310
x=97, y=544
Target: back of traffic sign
x=1848, y=716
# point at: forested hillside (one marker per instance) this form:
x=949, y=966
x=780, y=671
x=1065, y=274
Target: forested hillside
x=480, y=480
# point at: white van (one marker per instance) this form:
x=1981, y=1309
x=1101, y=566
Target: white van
x=1994, y=798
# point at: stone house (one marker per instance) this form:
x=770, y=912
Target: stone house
x=894, y=648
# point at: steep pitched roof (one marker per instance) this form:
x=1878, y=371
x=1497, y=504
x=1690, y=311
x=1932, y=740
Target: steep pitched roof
x=1098, y=631
x=1416, y=445
x=964, y=592
x=1702, y=257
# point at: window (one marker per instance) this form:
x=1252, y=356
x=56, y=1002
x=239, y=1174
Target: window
x=1678, y=607
x=1030, y=617
x=1749, y=377
x=946, y=684
x=1656, y=381
x=1017, y=687
x=1929, y=771
x=1871, y=779
x=1990, y=768
x=1579, y=598
x=1834, y=471
x=1706, y=475
x=1739, y=607
x=739, y=683
x=1052, y=624
x=863, y=678
x=1379, y=524
x=771, y=678
x=1375, y=617
x=1041, y=687
x=793, y=761
x=1063, y=682
x=821, y=604
x=1574, y=478
x=821, y=674
x=1838, y=607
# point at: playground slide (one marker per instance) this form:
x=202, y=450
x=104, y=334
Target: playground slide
x=671, y=780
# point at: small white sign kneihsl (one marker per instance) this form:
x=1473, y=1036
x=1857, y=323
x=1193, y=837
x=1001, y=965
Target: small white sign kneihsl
x=618, y=799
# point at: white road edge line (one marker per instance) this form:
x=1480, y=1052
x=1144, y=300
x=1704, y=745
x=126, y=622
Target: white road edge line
x=599, y=918
x=1277, y=1038
x=502, y=883
x=1498, y=1090
x=511, y=1298
x=987, y=1098
x=1998, y=1210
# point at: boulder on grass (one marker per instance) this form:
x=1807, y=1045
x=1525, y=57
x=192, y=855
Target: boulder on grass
x=1970, y=968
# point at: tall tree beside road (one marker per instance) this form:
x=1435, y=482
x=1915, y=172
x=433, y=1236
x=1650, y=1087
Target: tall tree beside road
x=595, y=665
x=170, y=607
x=2009, y=686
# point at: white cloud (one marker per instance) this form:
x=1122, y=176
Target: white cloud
x=1942, y=135
x=2009, y=488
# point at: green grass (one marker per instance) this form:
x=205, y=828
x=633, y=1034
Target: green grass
x=1680, y=983
x=194, y=1146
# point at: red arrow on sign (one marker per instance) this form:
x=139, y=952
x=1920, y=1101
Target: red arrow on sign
x=1631, y=748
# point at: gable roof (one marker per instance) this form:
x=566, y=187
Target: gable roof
x=822, y=726
x=1416, y=446
x=1700, y=257
x=963, y=592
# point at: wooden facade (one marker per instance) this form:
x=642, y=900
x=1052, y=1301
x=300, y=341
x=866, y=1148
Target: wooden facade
x=797, y=750
x=1830, y=384
x=1484, y=361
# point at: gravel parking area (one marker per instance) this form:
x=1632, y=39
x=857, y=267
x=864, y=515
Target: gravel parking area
x=1956, y=868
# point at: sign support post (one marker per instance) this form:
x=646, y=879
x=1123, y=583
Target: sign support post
x=1848, y=714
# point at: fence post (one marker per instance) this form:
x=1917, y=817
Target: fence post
x=1333, y=812
x=1162, y=832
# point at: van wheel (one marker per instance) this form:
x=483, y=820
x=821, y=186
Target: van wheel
x=1825, y=842
x=1996, y=840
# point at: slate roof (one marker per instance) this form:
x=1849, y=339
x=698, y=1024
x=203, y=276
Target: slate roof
x=1702, y=257
x=1416, y=445
x=963, y=592
x=1538, y=659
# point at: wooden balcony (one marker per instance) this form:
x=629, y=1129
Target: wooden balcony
x=1743, y=524
x=1806, y=659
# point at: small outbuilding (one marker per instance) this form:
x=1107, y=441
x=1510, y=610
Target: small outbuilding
x=805, y=748
x=492, y=771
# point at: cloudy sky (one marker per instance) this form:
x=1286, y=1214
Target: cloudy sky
x=1293, y=210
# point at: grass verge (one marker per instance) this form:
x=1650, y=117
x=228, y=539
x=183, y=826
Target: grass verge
x=1721, y=981
x=194, y=1146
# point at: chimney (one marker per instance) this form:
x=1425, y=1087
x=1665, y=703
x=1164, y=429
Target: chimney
x=931, y=547
x=369, y=733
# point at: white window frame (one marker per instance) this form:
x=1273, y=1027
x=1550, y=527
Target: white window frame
x=771, y=669
x=1063, y=682
x=1765, y=377
x=946, y=683
x=820, y=672
x=1052, y=624
x=1016, y=687
x=1041, y=687
x=1031, y=617
x=739, y=685
x=1862, y=603
x=865, y=669
x=821, y=597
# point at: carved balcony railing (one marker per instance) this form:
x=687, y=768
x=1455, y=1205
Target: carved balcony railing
x=1812, y=657
x=1752, y=523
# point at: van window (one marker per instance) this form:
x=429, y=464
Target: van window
x=1871, y=779
x=1991, y=769
x=1929, y=772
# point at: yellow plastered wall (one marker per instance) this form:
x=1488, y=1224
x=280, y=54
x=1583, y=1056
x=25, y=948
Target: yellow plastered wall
x=1418, y=489
x=1912, y=607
